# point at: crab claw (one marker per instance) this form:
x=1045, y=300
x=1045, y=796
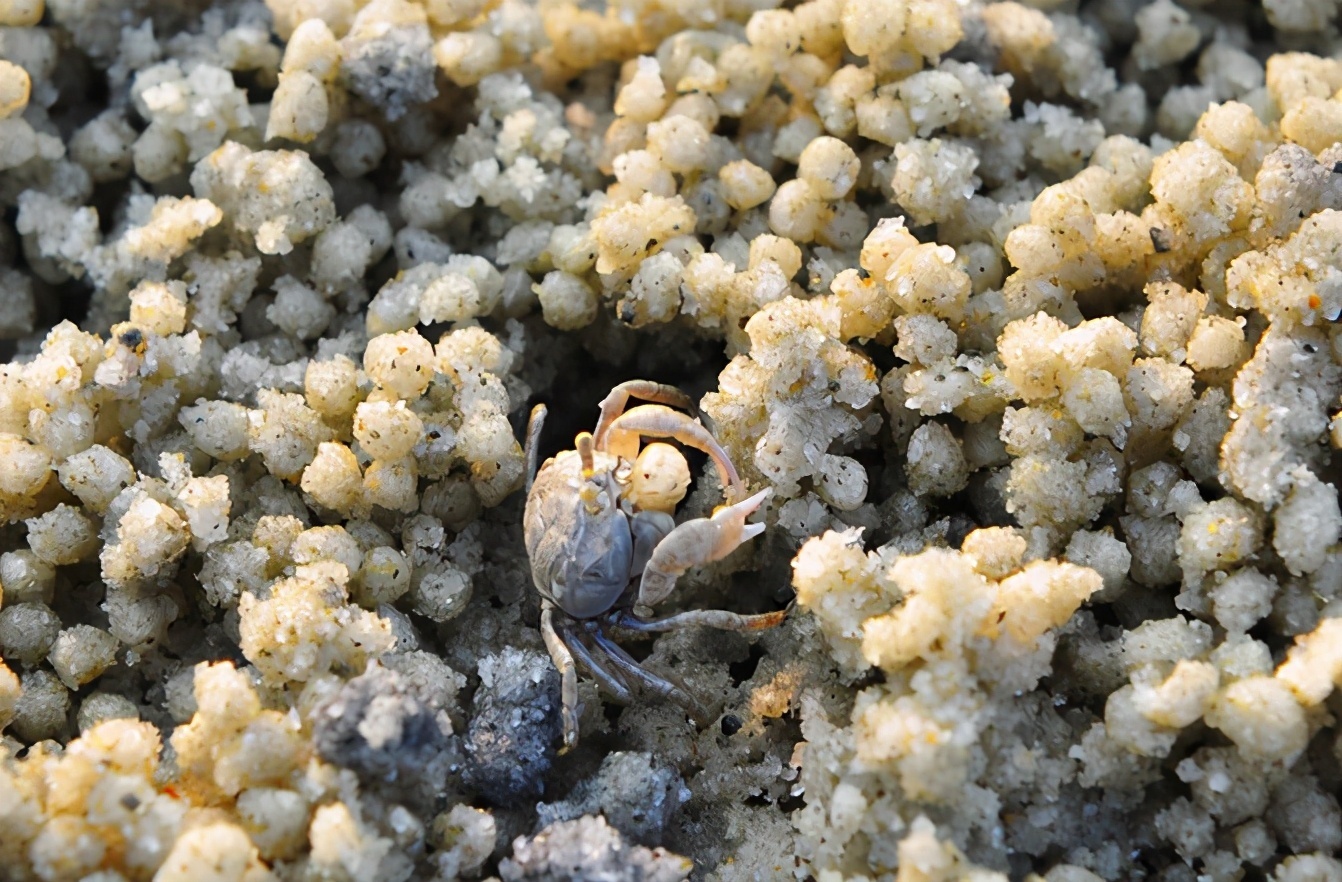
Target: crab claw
x=698, y=542
x=740, y=511
x=732, y=529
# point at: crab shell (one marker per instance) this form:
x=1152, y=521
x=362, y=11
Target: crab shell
x=583, y=559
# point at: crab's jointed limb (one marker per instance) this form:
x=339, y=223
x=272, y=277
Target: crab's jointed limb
x=657, y=684
x=617, y=401
x=590, y=661
x=568, y=677
x=655, y=421
x=535, y=423
x=720, y=619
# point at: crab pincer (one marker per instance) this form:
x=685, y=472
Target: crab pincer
x=698, y=542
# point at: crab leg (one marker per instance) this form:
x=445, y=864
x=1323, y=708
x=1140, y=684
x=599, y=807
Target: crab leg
x=614, y=403
x=720, y=619
x=568, y=677
x=630, y=666
x=534, y=425
x=605, y=677
x=656, y=421
x=697, y=542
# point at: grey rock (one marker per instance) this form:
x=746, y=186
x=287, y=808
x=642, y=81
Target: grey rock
x=638, y=794
x=393, y=71
x=510, y=743
x=428, y=678
x=390, y=730
x=589, y=850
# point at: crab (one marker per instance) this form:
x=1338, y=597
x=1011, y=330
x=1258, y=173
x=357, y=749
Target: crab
x=605, y=547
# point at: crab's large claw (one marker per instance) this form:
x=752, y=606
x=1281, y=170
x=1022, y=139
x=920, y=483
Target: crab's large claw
x=698, y=542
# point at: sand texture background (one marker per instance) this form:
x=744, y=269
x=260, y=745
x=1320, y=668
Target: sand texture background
x=1024, y=312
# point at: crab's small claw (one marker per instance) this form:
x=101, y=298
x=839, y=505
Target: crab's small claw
x=736, y=515
x=746, y=507
x=698, y=542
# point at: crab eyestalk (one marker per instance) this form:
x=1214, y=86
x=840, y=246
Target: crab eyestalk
x=585, y=447
x=590, y=494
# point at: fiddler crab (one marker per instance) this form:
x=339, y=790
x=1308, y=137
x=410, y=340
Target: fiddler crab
x=604, y=545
